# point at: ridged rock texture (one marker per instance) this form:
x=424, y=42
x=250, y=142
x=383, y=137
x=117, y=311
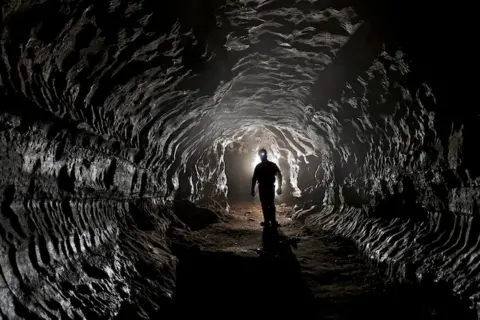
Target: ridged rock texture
x=111, y=110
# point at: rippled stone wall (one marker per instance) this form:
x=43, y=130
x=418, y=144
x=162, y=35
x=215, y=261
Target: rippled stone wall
x=113, y=109
x=405, y=191
x=76, y=239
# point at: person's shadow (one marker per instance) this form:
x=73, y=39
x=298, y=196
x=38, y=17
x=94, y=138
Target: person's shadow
x=276, y=244
x=281, y=271
x=269, y=282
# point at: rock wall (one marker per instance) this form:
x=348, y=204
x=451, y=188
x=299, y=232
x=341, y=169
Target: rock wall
x=76, y=239
x=409, y=198
x=112, y=109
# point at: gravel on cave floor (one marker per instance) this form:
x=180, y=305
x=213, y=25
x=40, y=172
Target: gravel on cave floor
x=322, y=277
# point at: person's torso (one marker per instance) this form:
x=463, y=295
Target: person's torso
x=266, y=172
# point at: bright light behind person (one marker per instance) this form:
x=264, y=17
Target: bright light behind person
x=256, y=160
x=265, y=176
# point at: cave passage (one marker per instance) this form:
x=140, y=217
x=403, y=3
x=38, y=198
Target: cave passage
x=129, y=131
x=236, y=269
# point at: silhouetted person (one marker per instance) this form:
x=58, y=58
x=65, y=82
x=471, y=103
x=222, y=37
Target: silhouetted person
x=265, y=173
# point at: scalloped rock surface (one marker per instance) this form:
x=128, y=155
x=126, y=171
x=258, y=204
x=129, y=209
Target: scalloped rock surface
x=114, y=110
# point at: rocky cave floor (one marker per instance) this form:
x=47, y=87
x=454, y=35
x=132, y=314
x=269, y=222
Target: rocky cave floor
x=227, y=271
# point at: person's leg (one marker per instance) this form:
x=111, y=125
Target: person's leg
x=264, y=202
x=271, y=206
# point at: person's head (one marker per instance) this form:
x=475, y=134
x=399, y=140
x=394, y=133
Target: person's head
x=262, y=153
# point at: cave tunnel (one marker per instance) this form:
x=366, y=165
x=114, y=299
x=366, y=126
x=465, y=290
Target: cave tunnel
x=129, y=133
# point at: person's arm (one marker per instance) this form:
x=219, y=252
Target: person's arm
x=280, y=180
x=254, y=182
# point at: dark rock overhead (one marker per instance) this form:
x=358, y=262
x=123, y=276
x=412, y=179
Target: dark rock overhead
x=114, y=113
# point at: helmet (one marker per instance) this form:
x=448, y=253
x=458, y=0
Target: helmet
x=262, y=153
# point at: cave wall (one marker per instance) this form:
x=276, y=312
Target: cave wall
x=118, y=70
x=85, y=229
x=112, y=108
x=403, y=182
x=76, y=239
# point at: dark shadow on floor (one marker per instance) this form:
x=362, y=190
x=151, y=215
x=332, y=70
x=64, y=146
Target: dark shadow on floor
x=426, y=301
x=278, y=246
x=269, y=283
x=225, y=285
